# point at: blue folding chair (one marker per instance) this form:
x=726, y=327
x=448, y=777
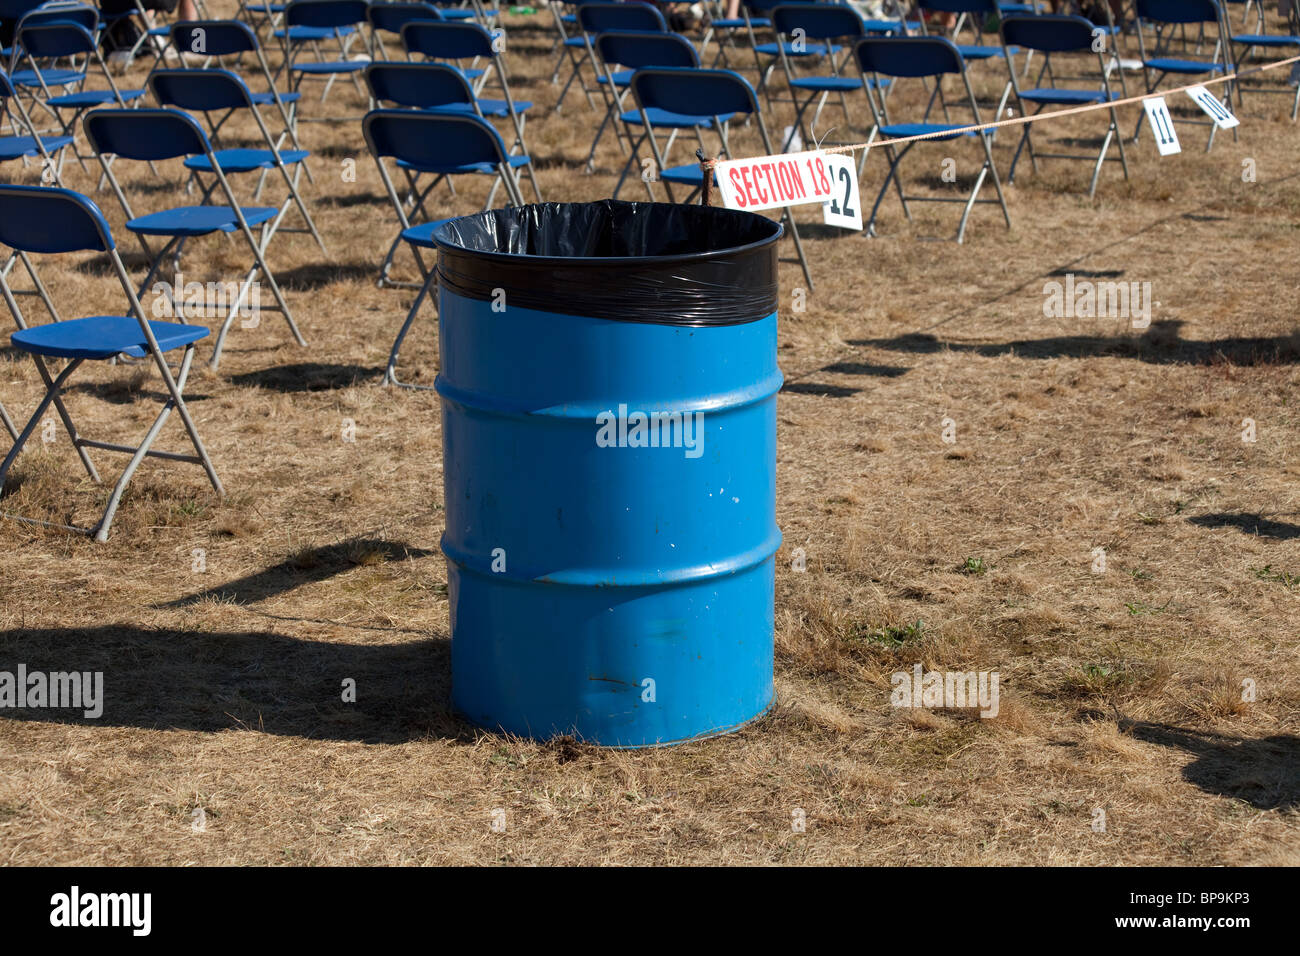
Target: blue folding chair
x=51, y=41
x=309, y=23
x=710, y=98
x=231, y=38
x=437, y=88
x=572, y=45
x=391, y=17
x=636, y=51
x=158, y=134
x=26, y=142
x=624, y=17
x=444, y=144
x=43, y=220
x=1283, y=45
x=767, y=56
x=931, y=58
x=979, y=13
x=216, y=91
x=1052, y=34
x=1166, y=18
x=826, y=22
x=457, y=43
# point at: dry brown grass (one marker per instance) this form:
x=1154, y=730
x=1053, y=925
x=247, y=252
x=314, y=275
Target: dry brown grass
x=1120, y=690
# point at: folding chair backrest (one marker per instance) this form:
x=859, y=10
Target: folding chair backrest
x=200, y=90
x=693, y=91
x=79, y=13
x=325, y=13
x=55, y=39
x=145, y=134
x=1048, y=33
x=628, y=17
x=391, y=17
x=764, y=8
x=433, y=140
x=13, y=10
x=418, y=85
x=975, y=7
x=214, y=37
x=637, y=50
x=447, y=41
x=1179, y=11
x=47, y=219
x=818, y=21
x=908, y=56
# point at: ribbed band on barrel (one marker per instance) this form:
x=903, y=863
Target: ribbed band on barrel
x=706, y=266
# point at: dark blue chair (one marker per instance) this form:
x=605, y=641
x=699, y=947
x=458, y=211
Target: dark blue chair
x=441, y=144
x=595, y=19
x=767, y=56
x=932, y=58
x=1284, y=45
x=979, y=12
x=1051, y=34
x=707, y=95
x=153, y=135
x=826, y=22
x=571, y=45
x=636, y=51
x=222, y=38
x=311, y=23
x=220, y=91
x=42, y=220
x=391, y=17
x=1165, y=18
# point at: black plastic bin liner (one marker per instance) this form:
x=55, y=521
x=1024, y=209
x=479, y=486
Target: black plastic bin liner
x=628, y=261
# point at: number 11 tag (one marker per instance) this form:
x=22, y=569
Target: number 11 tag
x=1162, y=124
x=844, y=208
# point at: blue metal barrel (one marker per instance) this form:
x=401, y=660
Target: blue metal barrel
x=608, y=385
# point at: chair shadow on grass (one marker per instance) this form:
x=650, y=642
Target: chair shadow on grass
x=211, y=681
x=306, y=567
x=1160, y=344
x=1249, y=524
x=307, y=377
x=1264, y=772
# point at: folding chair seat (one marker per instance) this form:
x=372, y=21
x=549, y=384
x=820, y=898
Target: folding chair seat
x=44, y=220
x=923, y=57
x=309, y=23
x=443, y=144
x=1160, y=63
x=637, y=51
x=223, y=38
x=1053, y=34
x=159, y=134
x=209, y=91
x=709, y=94
x=26, y=142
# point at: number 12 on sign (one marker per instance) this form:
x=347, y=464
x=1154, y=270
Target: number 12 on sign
x=1162, y=124
x=844, y=208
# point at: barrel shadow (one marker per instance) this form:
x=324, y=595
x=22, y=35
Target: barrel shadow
x=211, y=681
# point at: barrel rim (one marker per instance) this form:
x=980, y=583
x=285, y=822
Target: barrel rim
x=617, y=262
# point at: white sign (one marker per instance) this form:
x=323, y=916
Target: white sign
x=766, y=182
x=844, y=208
x=1213, y=107
x=1162, y=124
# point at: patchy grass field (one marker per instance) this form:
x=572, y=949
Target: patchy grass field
x=224, y=627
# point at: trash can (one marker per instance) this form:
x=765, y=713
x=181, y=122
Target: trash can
x=608, y=387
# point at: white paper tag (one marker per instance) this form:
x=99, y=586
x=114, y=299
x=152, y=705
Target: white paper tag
x=1162, y=125
x=844, y=208
x=1213, y=107
x=767, y=182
